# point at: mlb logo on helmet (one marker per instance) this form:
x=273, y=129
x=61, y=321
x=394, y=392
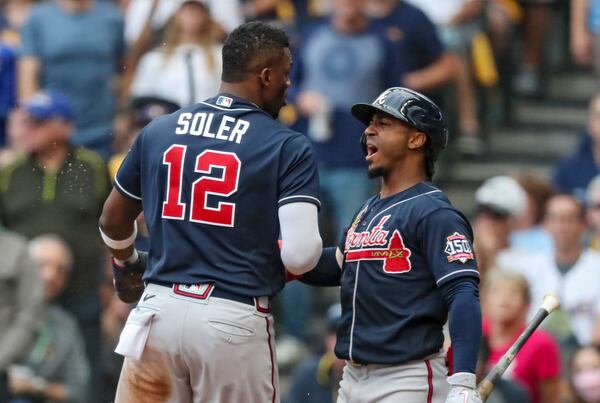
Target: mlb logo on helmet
x=224, y=101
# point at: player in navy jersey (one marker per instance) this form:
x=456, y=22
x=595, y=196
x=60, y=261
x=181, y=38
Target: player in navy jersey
x=405, y=266
x=217, y=183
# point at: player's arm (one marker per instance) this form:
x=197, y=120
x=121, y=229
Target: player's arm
x=118, y=230
x=464, y=319
x=301, y=242
x=328, y=271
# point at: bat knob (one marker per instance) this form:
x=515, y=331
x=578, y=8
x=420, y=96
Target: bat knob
x=551, y=302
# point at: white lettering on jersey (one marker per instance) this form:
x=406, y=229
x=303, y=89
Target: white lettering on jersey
x=201, y=124
x=376, y=237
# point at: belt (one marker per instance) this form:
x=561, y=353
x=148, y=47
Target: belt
x=204, y=291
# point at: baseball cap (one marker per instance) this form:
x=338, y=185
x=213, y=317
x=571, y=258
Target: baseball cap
x=503, y=195
x=145, y=109
x=46, y=105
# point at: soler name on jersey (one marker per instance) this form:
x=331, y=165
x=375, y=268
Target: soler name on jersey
x=202, y=124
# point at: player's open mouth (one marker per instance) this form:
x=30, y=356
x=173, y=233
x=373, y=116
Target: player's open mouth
x=371, y=151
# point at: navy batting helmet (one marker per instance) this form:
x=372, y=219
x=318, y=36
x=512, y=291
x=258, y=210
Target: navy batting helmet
x=414, y=109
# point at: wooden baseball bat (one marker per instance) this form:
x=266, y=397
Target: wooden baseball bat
x=485, y=387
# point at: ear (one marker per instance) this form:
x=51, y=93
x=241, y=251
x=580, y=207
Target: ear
x=417, y=140
x=265, y=77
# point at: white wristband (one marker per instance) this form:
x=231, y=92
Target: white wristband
x=122, y=244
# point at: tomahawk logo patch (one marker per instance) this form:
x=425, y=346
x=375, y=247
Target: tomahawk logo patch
x=458, y=248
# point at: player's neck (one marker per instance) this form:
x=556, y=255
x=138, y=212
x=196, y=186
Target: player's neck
x=241, y=90
x=504, y=332
x=400, y=180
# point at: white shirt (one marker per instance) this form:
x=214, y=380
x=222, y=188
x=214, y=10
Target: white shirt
x=578, y=289
x=228, y=13
x=171, y=81
x=439, y=12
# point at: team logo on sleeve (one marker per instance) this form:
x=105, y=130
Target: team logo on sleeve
x=224, y=101
x=458, y=248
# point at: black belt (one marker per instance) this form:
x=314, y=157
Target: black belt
x=212, y=291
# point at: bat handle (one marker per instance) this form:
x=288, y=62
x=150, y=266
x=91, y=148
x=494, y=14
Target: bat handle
x=485, y=388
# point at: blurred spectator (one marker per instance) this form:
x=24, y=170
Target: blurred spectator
x=457, y=22
x=585, y=33
x=131, y=120
x=536, y=21
x=227, y=14
x=529, y=233
x=506, y=390
x=7, y=84
x=114, y=317
x=537, y=366
x=500, y=203
x=59, y=189
x=318, y=378
x=21, y=303
x=56, y=369
x=585, y=375
x=592, y=239
x=340, y=62
x=573, y=172
x=569, y=271
x=422, y=62
x=76, y=47
x=13, y=14
x=186, y=68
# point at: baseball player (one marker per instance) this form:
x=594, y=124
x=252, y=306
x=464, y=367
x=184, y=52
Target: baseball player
x=406, y=265
x=217, y=182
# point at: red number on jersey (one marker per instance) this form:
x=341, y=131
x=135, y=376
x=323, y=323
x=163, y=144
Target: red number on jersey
x=173, y=208
x=225, y=185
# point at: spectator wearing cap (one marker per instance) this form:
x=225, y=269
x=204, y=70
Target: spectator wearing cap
x=60, y=189
x=186, y=67
x=574, y=171
x=317, y=379
x=592, y=199
x=500, y=202
x=76, y=47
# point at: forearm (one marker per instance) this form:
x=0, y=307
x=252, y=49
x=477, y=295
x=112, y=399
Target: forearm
x=438, y=73
x=327, y=272
x=28, y=77
x=464, y=318
x=579, y=10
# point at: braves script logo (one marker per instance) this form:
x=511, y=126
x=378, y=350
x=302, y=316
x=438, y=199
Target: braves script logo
x=395, y=255
x=458, y=248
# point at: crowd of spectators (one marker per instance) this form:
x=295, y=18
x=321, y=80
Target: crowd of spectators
x=80, y=78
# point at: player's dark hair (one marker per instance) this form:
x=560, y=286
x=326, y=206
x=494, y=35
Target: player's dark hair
x=249, y=48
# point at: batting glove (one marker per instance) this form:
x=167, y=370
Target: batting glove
x=462, y=389
x=127, y=279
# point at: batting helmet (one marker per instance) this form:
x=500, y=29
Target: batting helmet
x=414, y=109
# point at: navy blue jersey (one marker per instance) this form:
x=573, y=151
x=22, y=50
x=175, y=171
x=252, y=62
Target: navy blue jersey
x=211, y=178
x=397, y=253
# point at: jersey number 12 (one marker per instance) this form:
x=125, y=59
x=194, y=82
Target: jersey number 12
x=225, y=185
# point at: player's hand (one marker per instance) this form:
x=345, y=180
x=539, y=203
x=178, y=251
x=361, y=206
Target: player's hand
x=127, y=279
x=463, y=389
x=310, y=102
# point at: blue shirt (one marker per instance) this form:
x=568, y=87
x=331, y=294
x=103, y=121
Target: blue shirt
x=347, y=69
x=211, y=178
x=414, y=37
x=8, y=85
x=397, y=253
x=574, y=172
x=80, y=55
x=594, y=16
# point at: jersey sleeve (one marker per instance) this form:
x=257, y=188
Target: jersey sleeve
x=128, y=178
x=447, y=240
x=298, y=176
